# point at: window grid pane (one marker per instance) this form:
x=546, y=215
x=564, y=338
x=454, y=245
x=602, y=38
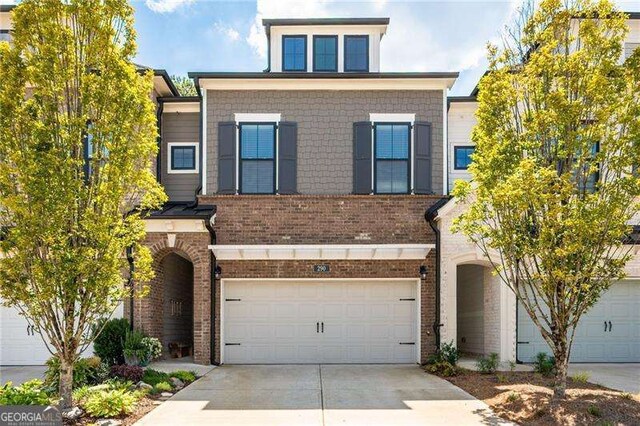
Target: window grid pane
x=324, y=51
x=257, y=156
x=462, y=157
x=294, y=49
x=356, y=52
x=183, y=158
x=392, y=158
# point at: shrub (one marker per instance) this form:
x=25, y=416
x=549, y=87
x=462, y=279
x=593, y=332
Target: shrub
x=29, y=393
x=594, y=410
x=186, y=376
x=163, y=387
x=132, y=373
x=449, y=353
x=501, y=378
x=133, y=349
x=581, y=377
x=512, y=366
x=111, y=403
x=153, y=377
x=108, y=343
x=153, y=348
x=513, y=397
x=488, y=365
x=544, y=364
x=443, y=368
x=86, y=371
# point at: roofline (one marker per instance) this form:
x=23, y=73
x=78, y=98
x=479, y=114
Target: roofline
x=462, y=99
x=178, y=99
x=7, y=7
x=320, y=75
x=633, y=15
x=163, y=73
x=268, y=23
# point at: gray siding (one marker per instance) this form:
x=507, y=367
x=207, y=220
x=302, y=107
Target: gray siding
x=179, y=127
x=325, y=128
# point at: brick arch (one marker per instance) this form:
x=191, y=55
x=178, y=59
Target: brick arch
x=148, y=310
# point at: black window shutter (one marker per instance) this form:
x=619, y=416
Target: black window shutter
x=227, y=157
x=422, y=158
x=362, y=158
x=287, y=157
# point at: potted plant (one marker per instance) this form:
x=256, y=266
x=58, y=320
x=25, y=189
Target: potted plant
x=153, y=349
x=133, y=349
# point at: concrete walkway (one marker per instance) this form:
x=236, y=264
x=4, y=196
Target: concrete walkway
x=322, y=395
x=622, y=377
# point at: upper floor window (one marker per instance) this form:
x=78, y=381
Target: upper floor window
x=391, y=152
x=183, y=157
x=462, y=157
x=257, y=158
x=325, y=53
x=356, y=53
x=5, y=35
x=294, y=53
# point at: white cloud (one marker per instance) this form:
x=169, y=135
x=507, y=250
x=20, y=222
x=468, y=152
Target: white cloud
x=166, y=6
x=230, y=32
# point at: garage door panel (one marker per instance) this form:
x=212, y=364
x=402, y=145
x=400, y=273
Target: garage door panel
x=620, y=342
x=364, y=322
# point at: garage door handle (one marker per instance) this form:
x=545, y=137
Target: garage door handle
x=605, y=326
x=610, y=327
x=322, y=325
x=317, y=327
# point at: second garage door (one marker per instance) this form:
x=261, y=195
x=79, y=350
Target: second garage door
x=326, y=321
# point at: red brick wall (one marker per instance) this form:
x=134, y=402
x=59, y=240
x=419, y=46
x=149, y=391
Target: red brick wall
x=321, y=219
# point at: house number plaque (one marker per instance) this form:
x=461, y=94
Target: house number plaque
x=322, y=269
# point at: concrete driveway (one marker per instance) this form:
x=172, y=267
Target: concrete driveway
x=622, y=377
x=321, y=395
x=20, y=374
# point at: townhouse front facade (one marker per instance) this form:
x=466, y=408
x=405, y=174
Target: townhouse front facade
x=309, y=214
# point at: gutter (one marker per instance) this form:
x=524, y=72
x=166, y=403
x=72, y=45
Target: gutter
x=430, y=216
x=130, y=283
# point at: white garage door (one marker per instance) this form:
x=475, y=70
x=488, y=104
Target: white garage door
x=20, y=343
x=608, y=332
x=273, y=322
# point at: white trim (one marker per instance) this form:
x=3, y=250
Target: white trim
x=174, y=225
x=173, y=107
x=392, y=118
x=418, y=301
x=322, y=252
x=170, y=170
x=326, y=83
x=445, y=143
x=204, y=143
x=257, y=117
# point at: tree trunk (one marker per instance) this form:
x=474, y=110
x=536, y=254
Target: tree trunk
x=66, y=383
x=560, y=379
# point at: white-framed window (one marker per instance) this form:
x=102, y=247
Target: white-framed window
x=183, y=158
x=392, y=153
x=257, y=153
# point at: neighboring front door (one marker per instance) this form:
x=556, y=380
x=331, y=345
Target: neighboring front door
x=608, y=332
x=325, y=321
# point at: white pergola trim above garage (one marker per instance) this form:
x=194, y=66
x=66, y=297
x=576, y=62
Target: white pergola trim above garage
x=323, y=252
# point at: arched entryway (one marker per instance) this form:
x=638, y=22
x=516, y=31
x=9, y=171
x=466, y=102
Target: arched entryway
x=177, y=305
x=470, y=304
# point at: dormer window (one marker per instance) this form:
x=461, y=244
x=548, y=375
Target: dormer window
x=356, y=53
x=294, y=53
x=325, y=53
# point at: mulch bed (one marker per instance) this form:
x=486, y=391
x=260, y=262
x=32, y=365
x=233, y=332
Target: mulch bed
x=524, y=398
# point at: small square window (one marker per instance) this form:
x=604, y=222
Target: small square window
x=325, y=53
x=183, y=158
x=294, y=53
x=356, y=53
x=462, y=157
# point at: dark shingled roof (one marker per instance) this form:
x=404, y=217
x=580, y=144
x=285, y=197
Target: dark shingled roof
x=268, y=23
x=184, y=211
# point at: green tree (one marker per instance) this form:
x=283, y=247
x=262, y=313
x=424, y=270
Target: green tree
x=553, y=183
x=77, y=142
x=184, y=85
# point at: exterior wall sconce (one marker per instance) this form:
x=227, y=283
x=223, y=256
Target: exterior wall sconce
x=218, y=272
x=423, y=272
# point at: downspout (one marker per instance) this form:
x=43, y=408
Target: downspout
x=212, y=280
x=430, y=216
x=159, y=142
x=130, y=284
